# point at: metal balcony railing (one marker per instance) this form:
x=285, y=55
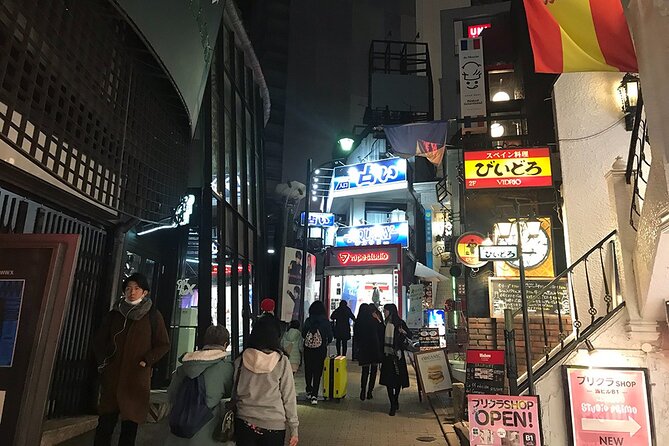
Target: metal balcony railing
x=638, y=163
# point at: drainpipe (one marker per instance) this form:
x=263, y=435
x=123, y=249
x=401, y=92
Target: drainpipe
x=245, y=43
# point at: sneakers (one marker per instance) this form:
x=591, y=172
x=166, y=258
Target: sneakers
x=314, y=400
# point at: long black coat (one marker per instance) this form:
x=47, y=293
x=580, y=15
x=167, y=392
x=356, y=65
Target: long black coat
x=342, y=329
x=394, y=370
x=368, y=340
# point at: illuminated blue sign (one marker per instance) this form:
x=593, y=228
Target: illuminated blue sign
x=369, y=235
x=376, y=176
x=319, y=219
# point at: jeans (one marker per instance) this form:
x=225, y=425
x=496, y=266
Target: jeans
x=248, y=436
x=313, y=368
x=105, y=429
x=342, y=347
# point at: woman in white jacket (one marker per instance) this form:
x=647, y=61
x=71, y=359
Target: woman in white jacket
x=266, y=399
x=292, y=344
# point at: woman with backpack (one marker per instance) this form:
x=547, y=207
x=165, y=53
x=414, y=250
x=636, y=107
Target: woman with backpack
x=394, y=373
x=317, y=334
x=266, y=399
x=213, y=366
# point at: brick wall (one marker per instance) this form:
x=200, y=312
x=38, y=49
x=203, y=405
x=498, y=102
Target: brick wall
x=488, y=333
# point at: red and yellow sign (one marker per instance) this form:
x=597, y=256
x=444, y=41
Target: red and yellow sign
x=467, y=249
x=509, y=168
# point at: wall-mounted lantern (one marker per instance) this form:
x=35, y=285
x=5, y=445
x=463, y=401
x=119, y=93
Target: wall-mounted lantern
x=629, y=95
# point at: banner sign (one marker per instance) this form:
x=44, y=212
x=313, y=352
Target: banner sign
x=429, y=261
x=292, y=281
x=472, y=84
x=364, y=178
x=484, y=372
x=608, y=406
x=466, y=249
x=319, y=219
x=356, y=256
x=510, y=168
x=371, y=235
x=498, y=252
x=500, y=420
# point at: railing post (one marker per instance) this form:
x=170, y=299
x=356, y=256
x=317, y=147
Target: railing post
x=510, y=352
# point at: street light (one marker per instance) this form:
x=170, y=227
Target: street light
x=629, y=96
x=346, y=143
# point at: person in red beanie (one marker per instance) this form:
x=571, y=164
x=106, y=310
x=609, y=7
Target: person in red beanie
x=267, y=305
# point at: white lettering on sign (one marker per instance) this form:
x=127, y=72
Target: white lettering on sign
x=184, y=288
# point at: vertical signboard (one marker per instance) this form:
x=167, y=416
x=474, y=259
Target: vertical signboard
x=484, y=372
x=608, y=406
x=292, y=282
x=501, y=420
x=428, y=239
x=472, y=84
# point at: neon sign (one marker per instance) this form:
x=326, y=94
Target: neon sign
x=474, y=31
x=319, y=219
x=370, y=235
x=377, y=176
x=363, y=257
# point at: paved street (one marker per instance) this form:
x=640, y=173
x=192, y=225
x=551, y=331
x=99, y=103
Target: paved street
x=350, y=422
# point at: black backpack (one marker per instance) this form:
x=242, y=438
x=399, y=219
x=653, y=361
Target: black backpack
x=190, y=412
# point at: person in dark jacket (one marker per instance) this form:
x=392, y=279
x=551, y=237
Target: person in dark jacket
x=317, y=334
x=214, y=364
x=342, y=327
x=394, y=373
x=131, y=339
x=368, y=333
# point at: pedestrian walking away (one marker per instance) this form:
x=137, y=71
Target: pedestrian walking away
x=368, y=332
x=292, y=344
x=317, y=334
x=342, y=326
x=212, y=365
x=130, y=340
x=266, y=399
x=394, y=373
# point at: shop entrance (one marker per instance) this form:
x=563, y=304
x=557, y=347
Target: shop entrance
x=379, y=289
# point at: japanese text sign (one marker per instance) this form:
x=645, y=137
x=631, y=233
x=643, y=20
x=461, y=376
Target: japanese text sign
x=364, y=256
x=509, y=168
x=319, y=219
x=376, y=176
x=498, y=252
x=484, y=371
x=608, y=406
x=369, y=235
x=497, y=420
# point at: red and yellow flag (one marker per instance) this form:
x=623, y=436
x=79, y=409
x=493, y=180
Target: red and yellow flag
x=580, y=35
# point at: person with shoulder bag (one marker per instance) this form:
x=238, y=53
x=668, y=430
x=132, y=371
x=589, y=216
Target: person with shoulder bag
x=130, y=340
x=317, y=334
x=265, y=401
x=394, y=372
x=197, y=387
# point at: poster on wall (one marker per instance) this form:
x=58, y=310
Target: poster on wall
x=292, y=282
x=11, y=298
x=415, y=310
x=433, y=370
x=503, y=420
x=610, y=406
x=484, y=372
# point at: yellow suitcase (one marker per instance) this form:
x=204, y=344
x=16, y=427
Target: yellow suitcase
x=335, y=377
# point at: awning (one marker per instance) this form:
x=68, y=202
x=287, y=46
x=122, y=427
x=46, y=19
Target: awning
x=428, y=273
x=362, y=271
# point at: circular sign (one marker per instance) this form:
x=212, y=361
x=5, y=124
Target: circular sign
x=467, y=249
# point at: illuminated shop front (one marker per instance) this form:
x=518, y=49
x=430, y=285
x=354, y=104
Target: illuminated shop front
x=363, y=274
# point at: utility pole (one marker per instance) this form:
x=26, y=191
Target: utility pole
x=305, y=241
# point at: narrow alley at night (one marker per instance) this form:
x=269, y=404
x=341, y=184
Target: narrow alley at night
x=334, y=222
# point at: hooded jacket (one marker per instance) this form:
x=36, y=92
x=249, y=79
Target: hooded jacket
x=292, y=343
x=266, y=391
x=217, y=368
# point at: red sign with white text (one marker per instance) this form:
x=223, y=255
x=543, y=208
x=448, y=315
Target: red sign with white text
x=608, y=406
x=474, y=31
x=495, y=357
x=354, y=256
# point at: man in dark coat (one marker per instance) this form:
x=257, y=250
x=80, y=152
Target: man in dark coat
x=342, y=329
x=131, y=339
